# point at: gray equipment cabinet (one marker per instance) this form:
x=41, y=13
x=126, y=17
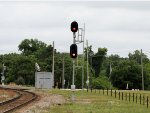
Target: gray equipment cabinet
x=44, y=80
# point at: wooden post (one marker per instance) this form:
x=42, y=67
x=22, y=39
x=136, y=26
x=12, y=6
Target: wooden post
x=140, y=98
x=147, y=101
x=115, y=93
x=129, y=97
x=133, y=97
x=136, y=98
x=143, y=100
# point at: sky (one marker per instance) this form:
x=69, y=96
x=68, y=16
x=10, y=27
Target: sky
x=120, y=26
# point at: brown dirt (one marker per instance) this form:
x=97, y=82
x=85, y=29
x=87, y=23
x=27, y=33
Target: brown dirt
x=6, y=95
x=44, y=101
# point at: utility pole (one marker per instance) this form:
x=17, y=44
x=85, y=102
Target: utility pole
x=83, y=60
x=110, y=70
x=63, y=73
x=142, y=71
x=53, y=64
x=87, y=81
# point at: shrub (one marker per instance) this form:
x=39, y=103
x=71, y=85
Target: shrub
x=20, y=81
x=101, y=82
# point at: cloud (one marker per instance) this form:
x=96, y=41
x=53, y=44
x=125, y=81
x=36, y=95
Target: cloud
x=119, y=26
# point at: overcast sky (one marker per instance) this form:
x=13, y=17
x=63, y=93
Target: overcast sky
x=121, y=27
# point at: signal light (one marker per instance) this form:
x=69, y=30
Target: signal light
x=74, y=26
x=73, y=51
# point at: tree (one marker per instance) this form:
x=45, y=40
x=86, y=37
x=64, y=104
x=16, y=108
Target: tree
x=30, y=46
x=98, y=59
x=127, y=72
x=136, y=56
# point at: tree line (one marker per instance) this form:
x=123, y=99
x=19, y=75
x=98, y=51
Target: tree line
x=104, y=71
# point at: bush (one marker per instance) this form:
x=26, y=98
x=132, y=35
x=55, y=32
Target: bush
x=20, y=81
x=101, y=82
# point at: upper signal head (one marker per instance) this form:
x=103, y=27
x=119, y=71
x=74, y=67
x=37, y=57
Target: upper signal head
x=74, y=26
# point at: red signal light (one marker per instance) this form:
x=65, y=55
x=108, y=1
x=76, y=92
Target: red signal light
x=74, y=26
x=73, y=51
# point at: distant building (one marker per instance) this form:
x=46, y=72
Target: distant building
x=44, y=80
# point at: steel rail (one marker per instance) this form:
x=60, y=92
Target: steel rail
x=24, y=98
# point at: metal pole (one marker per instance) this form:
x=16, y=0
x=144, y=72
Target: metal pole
x=73, y=72
x=142, y=71
x=91, y=74
x=74, y=36
x=63, y=73
x=83, y=60
x=110, y=75
x=53, y=64
x=87, y=65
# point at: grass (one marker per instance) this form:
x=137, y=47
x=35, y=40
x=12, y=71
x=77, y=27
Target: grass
x=95, y=103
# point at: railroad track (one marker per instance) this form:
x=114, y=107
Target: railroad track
x=23, y=98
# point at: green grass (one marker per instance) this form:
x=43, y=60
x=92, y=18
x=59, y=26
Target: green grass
x=96, y=103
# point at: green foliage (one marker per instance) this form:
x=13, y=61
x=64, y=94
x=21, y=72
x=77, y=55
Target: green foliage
x=101, y=82
x=21, y=67
x=136, y=56
x=127, y=72
x=98, y=59
x=30, y=46
x=20, y=81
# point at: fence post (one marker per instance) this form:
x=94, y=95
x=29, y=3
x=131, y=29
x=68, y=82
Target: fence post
x=99, y=91
x=136, y=98
x=91, y=90
x=119, y=95
x=140, y=98
x=129, y=96
x=95, y=90
x=147, y=101
x=115, y=93
x=133, y=97
x=103, y=91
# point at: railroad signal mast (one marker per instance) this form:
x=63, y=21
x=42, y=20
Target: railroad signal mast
x=77, y=39
x=73, y=50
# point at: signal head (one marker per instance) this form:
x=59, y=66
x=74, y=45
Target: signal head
x=74, y=26
x=73, y=51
